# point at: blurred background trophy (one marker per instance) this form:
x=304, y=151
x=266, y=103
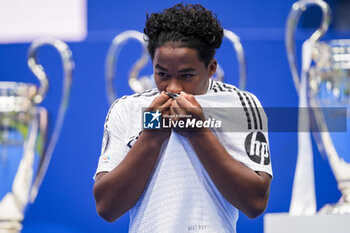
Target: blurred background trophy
x=324, y=84
x=25, y=152
x=140, y=84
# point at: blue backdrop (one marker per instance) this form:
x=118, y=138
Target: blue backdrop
x=65, y=202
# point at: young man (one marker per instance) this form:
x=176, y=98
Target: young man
x=175, y=180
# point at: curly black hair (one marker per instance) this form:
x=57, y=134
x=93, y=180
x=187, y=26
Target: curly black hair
x=191, y=26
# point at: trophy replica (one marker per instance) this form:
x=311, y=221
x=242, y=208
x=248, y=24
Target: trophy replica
x=24, y=151
x=236, y=43
x=136, y=84
x=325, y=83
x=140, y=84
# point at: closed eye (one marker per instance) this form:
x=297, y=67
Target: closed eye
x=186, y=76
x=162, y=74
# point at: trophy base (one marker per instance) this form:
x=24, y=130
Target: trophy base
x=341, y=207
x=10, y=227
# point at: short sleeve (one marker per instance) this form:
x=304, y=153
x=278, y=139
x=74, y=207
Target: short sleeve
x=113, y=149
x=251, y=145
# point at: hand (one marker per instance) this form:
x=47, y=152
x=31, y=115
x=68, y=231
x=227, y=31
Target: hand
x=161, y=103
x=186, y=106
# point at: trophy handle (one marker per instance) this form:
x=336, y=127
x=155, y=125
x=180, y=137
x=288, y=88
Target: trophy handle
x=292, y=21
x=112, y=58
x=37, y=69
x=236, y=43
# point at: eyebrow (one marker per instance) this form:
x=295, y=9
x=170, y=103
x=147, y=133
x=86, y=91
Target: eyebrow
x=187, y=70
x=161, y=68
x=180, y=71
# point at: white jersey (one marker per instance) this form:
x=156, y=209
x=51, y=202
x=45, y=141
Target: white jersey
x=180, y=195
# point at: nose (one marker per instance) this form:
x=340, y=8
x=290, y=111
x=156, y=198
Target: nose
x=174, y=86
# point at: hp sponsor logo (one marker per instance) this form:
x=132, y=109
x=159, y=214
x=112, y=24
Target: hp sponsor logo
x=257, y=148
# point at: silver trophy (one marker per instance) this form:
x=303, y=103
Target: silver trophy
x=327, y=86
x=24, y=151
x=140, y=84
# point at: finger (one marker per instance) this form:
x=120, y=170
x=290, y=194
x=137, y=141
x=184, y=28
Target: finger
x=189, y=102
x=183, y=102
x=177, y=109
x=166, y=113
x=165, y=107
x=190, y=98
x=168, y=103
x=173, y=114
x=159, y=100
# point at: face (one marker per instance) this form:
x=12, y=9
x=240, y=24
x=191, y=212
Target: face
x=179, y=69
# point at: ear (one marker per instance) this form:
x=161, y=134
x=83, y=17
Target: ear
x=212, y=67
